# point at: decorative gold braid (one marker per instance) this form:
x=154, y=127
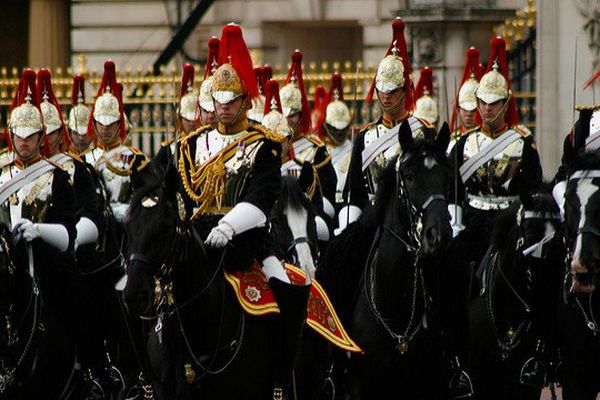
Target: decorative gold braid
x=269, y=134
x=210, y=177
x=118, y=171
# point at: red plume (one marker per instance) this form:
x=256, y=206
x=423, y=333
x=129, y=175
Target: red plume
x=27, y=81
x=336, y=83
x=78, y=89
x=272, y=92
x=261, y=78
x=398, y=36
x=187, y=79
x=317, y=115
x=296, y=71
x=268, y=70
x=472, y=66
x=44, y=86
x=109, y=83
x=233, y=49
x=425, y=83
x=212, y=60
x=593, y=78
x=498, y=54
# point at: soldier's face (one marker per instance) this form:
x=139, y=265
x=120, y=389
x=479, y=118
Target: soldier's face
x=189, y=126
x=27, y=148
x=208, y=117
x=492, y=114
x=294, y=121
x=80, y=142
x=107, y=133
x=230, y=112
x=390, y=101
x=54, y=141
x=467, y=117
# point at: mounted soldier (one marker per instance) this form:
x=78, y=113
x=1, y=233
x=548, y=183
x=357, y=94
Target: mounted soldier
x=38, y=201
x=231, y=178
x=337, y=136
x=308, y=158
x=207, y=108
x=113, y=160
x=377, y=144
x=464, y=114
x=426, y=107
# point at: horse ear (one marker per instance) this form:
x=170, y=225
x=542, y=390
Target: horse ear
x=569, y=152
x=171, y=180
x=137, y=177
x=443, y=138
x=405, y=137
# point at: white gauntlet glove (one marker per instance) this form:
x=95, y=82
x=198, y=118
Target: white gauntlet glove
x=55, y=235
x=243, y=217
x=455, y=219
x=87, y=232
x=348, y=214
x=220, y=235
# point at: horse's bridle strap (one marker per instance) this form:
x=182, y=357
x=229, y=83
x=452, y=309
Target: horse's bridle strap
x=541, y=215
x=137, y=257
x=431, y=199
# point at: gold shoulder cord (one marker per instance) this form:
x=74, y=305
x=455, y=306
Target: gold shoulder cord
x=210, y=176
x=316, y=183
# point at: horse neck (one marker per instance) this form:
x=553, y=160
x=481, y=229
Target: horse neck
x=392, y=274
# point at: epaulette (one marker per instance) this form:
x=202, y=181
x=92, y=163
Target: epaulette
x=315, y=140
x=425, y=123
x=521, y=129
x=166, y=143
x=582, y=107
x=200, y=131
x=55, y=164
x=136, y=151
x=268, y=133
x=368, y=125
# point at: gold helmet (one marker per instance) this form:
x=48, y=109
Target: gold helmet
x=390, y=72
x=291, y=99
x=235, y=77
x=466, y=95
x=107, y=108
x=337, y=113
x=293, y=94
x=205, y=98
x=425, y=106
x=273, y=118
x=79, y=113
x=26, y=117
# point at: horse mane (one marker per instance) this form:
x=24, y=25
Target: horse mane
x=290, y=195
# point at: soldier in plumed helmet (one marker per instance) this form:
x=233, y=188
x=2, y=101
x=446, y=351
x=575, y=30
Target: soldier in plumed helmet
x=307, y=158
x=426, y=107
x=377, y=144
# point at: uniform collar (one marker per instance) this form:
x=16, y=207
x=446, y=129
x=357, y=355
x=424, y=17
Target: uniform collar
x=234, y=128
x=107, y=147
x=495, y=133
x=21, y=165
x=390, y=123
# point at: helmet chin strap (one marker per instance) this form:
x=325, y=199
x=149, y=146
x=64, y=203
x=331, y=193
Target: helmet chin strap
x=500, y=112
x=390, y=108
x=235, y=119
x=36, y=150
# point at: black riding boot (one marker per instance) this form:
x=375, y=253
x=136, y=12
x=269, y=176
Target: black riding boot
x=286, y=332
x=92, y=388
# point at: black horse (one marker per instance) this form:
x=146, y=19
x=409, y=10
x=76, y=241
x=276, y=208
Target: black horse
x=383, y=272
x=37, y=355
x=511, y=320
x=203, y=344
x=578, y=310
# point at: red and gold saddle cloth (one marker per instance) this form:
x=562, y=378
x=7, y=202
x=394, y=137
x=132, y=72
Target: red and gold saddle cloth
x=252, y=291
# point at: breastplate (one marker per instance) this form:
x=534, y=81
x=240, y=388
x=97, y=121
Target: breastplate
x=114, y=166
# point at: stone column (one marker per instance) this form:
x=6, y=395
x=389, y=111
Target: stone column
x=49, y=37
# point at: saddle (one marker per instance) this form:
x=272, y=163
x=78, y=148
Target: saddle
x=252, y=291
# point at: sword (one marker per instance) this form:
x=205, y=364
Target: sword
x=574, y=87
x=456, y=159
x=29, y=248
x=352, y=135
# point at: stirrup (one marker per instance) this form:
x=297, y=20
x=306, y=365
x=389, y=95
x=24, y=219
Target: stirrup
x=534, y=371
x=461, y=384
x=140, y=391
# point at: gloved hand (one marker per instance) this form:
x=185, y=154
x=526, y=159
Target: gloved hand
x=119, y=211
x=25, y=229
x=455, y=219
x=219, y=236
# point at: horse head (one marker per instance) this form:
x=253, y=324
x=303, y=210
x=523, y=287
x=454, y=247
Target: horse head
x=582, y=215
x=151, y=229
x=423, y=178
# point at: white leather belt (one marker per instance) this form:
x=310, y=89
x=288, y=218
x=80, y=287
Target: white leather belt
x=486, y=203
